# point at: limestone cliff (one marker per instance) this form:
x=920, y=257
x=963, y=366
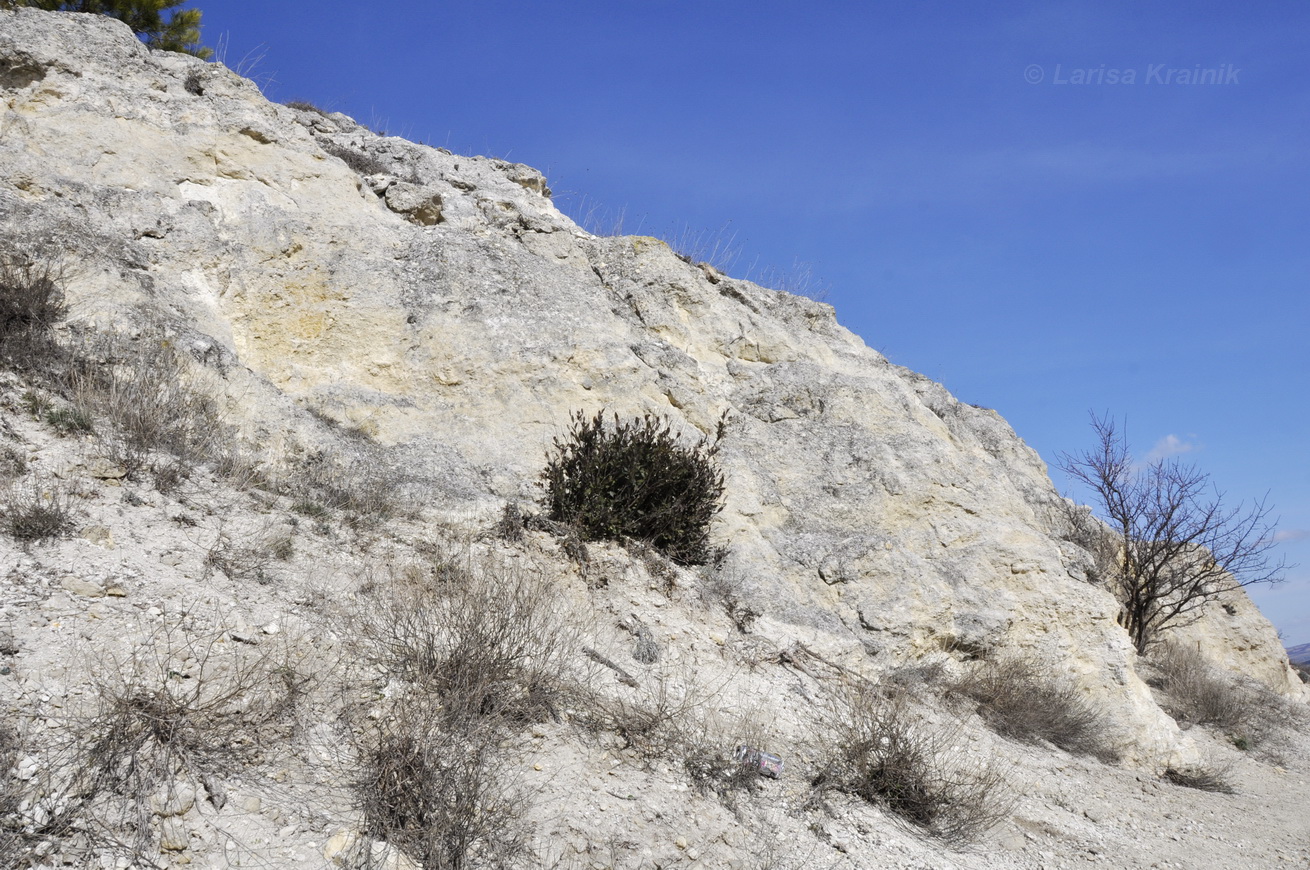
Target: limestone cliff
x=442, y=304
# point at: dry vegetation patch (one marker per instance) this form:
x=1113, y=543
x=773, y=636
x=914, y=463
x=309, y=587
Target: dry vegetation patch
x=1195, y=692
x=465, y=653
x=669, y=714
x=31, y=303
x=442, y=795
x=36, y=509
x=1019, y=699
x=152, y=416
x=888, y=753
x=11, y=796
x=485, y=640
x=1205, y=777
x=361, y=486
x=171, y=721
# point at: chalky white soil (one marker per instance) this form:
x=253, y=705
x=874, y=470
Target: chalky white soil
x=134, y=568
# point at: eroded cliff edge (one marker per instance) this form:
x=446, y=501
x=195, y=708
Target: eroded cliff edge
x=444, y=306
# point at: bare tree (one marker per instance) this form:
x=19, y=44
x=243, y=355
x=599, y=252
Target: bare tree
x=1179, y=544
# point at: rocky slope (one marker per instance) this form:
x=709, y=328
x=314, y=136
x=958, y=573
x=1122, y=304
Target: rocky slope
x=335, y=288
x=1299, y=654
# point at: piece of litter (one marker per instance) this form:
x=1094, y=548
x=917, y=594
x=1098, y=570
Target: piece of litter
x=766, y=763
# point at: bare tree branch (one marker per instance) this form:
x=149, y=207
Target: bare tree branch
x=1179, y=544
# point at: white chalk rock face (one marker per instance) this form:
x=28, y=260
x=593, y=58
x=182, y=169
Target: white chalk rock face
x=445, y=306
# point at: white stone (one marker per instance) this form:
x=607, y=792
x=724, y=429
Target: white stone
x=83, y=587
x=173, y=835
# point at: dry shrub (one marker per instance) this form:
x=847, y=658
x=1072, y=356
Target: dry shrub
x=155, y=415
x=184, y=709
x=36, y=510
x=250, y=556
x=31, y=302
x=13, y=463
x=304, y=106
x=441, y=795
x=711, y=757
x=1205, y=777
x=480, y=649
x=357, y=159
x=11, y=795
x=362, y=487
x=655, y=720
x=882, y=750
x=41, y=823
x=486, y=640
x=726, y=587
x=1196, y=693
x=670, y=716
x=1019, y=700
x=510, y=526
x=170, y=722
x=714, y=767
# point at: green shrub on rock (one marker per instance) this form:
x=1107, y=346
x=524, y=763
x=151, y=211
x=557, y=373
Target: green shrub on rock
x=633, y=479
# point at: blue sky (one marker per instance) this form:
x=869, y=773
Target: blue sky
x=1042, y=246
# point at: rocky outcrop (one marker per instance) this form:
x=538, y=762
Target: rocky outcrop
x=443, y=305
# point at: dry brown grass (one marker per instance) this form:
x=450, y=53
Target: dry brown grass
x=726, y=587
x=1196, y=693
x=487, y=640
x=358, y=160
x=249, y=556
x=1020, y=700
x=11, y=796
x=185, y=708
x=670, y=715
x=472, y=651
x=171, y=721
x=885, y=752
x=31, y=303
x=1205, y=777
x=36, y=509
x=654, y=720
x=152, y=415
x=716, y=755
x=13, y=463
x=359, y=485
x=442, y=795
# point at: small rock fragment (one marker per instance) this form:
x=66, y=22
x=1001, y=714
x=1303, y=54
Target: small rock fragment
x=174, y=799
x=217, y=791
x=103, y=469
x=420, y=205
x=99, y=535
x=173, y=835
x=85, y=588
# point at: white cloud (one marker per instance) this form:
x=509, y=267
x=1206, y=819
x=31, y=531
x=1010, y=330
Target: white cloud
x=1287, y=536
x=1170, y=445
